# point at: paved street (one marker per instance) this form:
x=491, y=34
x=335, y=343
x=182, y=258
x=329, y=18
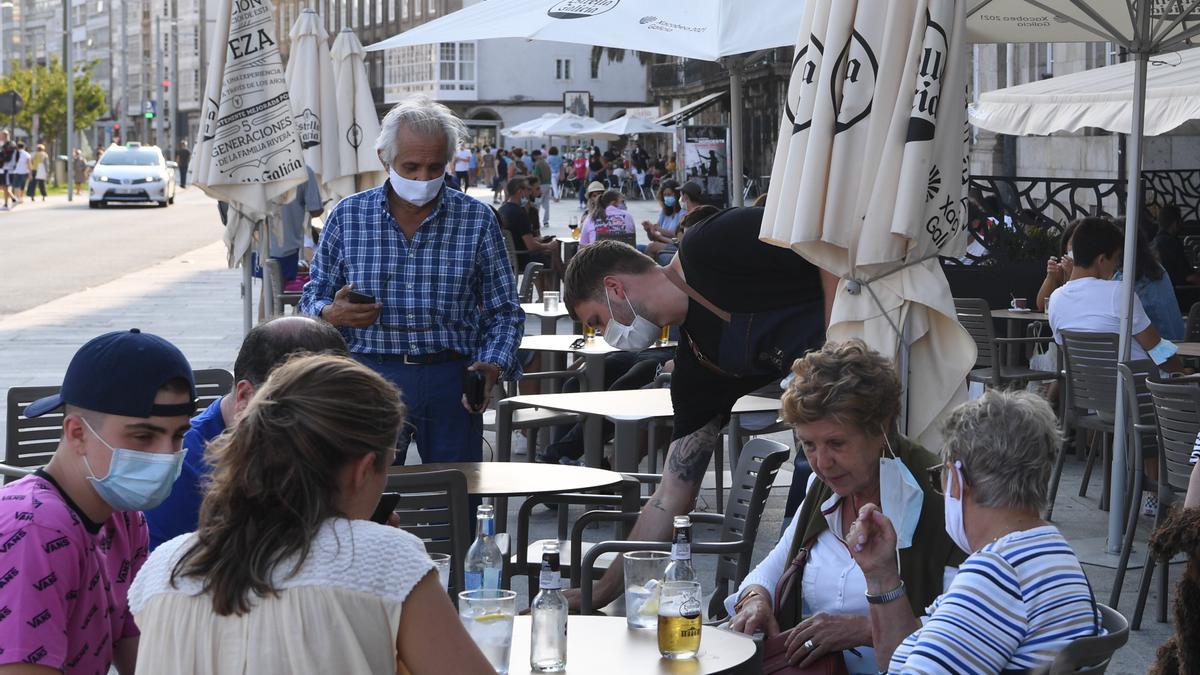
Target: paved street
x=164, y=270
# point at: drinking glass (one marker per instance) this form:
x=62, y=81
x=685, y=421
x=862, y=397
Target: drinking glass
x=488, y=617
x=550, y=301
x=665, y=336
x=644, y=571
x=441, y=562
x=679, y=619
x=589, y=333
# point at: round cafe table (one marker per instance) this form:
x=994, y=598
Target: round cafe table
x=511, y=479
x=601, y=645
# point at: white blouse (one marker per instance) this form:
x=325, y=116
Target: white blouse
x=833, y=583
x=340, y=613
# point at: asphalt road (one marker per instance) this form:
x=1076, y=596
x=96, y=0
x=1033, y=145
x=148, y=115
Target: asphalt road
x=54, y=250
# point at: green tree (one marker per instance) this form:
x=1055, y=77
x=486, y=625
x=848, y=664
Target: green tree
x=44, y=90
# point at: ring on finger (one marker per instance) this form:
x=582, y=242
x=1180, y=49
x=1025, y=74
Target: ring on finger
x=809, y=646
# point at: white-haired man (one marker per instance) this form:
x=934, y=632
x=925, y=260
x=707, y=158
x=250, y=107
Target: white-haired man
x=417, y=279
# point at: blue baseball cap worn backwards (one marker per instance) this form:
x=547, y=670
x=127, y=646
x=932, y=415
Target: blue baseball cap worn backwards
x=120, y=373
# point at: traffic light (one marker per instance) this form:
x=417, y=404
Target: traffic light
x=116, y=131
x=149, y=114
x=166, y=85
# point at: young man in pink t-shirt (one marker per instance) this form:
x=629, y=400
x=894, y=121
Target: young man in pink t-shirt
x=72, y=536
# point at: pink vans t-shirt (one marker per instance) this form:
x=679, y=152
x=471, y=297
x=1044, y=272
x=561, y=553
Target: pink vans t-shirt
x=64, y=580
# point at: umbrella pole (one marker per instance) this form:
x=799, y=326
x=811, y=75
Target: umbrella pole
x=734, y=64
x=247, y=294
x=1133, y=209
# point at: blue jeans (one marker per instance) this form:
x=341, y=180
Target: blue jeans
x=442, y=427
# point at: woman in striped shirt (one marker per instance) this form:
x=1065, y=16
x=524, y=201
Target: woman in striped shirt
x=1021, y=596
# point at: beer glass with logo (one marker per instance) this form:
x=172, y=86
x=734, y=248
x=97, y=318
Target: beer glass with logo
x=679, y=619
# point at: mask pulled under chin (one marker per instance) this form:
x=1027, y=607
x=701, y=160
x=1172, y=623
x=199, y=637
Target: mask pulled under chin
x=415, y=192
x=632, y=338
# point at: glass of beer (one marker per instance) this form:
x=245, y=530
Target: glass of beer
x=665, y=337
x=589, y=333
x=679, y=619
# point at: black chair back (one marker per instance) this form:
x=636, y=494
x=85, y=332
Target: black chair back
x=1177, y=409
x=525, y=288
x=976, y=317
x=1191, y=331
x=1091, y=365
x=29, y=443
x=434, y=507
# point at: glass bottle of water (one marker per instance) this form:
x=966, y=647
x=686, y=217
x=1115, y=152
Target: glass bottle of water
x=484, y=564
x=548, y=637
x=680, y=567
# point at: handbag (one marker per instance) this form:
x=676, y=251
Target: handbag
x=775, y=657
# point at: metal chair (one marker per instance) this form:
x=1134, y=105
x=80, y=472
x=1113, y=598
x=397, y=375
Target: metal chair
x=1177, y=410
x=1191, y=331
x=525, y=288
x=755, y=475
x=276, y=297
x=1143, y=437
x=990, y=369
x=1091, y=654
x=29, y=443
x=434, y=507
x=1090, y=402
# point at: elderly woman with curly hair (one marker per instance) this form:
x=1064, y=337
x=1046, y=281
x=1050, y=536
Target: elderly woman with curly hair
x=842, y=405
x=1021, y=596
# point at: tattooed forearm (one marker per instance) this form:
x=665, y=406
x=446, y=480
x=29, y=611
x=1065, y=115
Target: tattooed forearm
x=688, y=457
x=656, y=503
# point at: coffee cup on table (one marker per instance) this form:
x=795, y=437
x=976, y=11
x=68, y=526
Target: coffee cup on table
x=1019, y=303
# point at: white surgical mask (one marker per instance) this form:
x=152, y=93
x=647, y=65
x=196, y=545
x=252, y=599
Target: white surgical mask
x=632, y=338
x=954, y=511
x=415, y=192
x=900, y=495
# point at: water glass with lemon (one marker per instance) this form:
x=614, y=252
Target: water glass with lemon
x=488, y=616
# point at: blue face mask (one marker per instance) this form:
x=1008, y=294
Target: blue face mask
x=524, y=201
x=669, y=202
x=900, y=495
x=136, y=480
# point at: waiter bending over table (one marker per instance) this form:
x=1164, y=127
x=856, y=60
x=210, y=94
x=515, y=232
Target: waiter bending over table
x=745, y=310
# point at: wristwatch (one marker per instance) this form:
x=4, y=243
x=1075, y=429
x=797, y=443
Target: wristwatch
x=742, y=601
x=884, y=598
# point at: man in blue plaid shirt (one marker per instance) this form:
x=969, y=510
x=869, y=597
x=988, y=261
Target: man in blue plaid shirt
x=417, y=279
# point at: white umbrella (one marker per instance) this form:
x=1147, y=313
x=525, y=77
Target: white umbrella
x=869, y=182
x=710, y=30
x=314, y=97
x=358, y=123
x=248, y=153
x=629, y=126
x=1100, y=98
x=554, y=124
x=1144, y=28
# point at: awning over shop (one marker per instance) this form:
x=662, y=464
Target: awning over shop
x=692, y=109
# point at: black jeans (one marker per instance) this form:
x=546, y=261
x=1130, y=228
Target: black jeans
x=37, y=185
x=623, y=371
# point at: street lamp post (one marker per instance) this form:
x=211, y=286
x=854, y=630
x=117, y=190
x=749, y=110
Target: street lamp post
x=158, y=79
x=69, y=73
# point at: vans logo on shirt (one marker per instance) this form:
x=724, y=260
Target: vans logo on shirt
x=36, y=655
x=12, y=498
x=23, y=515
x=12, y=541
x=8, y=577
x=46, y=581
x=54, y=545
x=124, y=573
x=5, y=612
x=75, y=660
x=90, y=615
x=40, y=619
x=103, y=643
x=95, y=580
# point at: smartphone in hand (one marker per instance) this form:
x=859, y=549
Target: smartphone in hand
x=387, y=504
x=474, y=383
x=360, y=298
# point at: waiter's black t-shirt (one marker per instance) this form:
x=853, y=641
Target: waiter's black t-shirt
x=514, y=219
x=724, y=260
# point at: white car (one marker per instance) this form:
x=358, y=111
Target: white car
x=132, y=173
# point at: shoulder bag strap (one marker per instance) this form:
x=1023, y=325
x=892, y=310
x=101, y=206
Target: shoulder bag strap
x=794, y=572
x=677, y=279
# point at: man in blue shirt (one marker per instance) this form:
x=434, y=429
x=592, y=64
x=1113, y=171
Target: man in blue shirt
x=434, y=298
x=266, y=346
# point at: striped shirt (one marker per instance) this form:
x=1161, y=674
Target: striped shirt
x=448, y=288
x=1014, y=605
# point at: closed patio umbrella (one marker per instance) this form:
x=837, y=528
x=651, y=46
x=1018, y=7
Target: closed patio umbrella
x=248, y=153
x=357, y=121
x=314, y=98
x=869, y=182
